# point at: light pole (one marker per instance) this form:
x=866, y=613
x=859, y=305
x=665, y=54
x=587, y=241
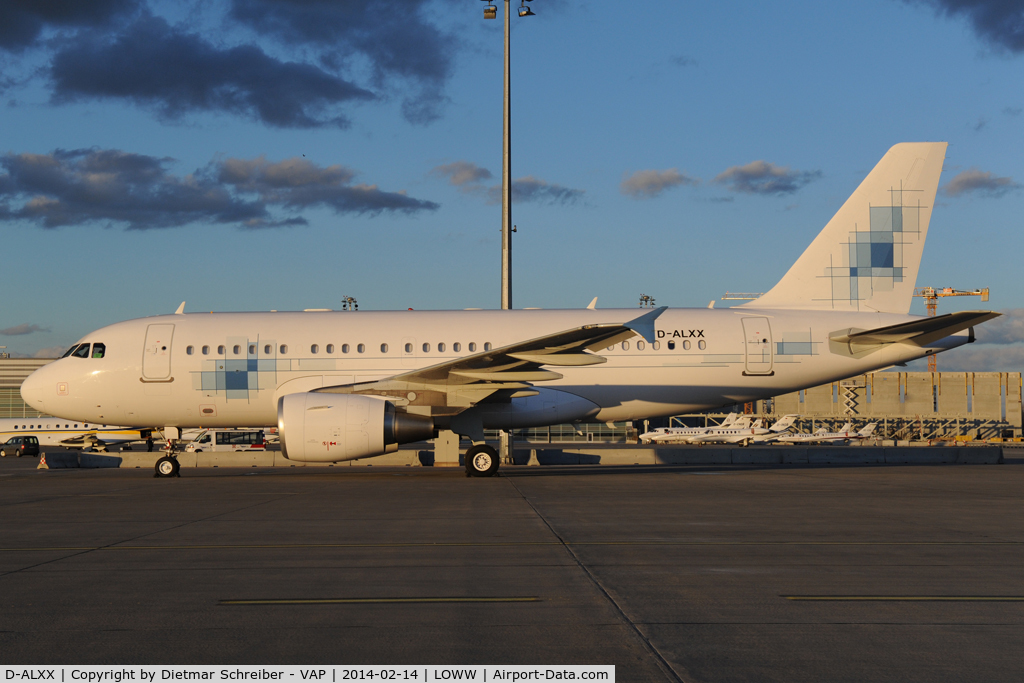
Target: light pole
x=491, y=12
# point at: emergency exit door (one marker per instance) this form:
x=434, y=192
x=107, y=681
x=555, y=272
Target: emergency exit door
x=156, y=356
x=757, y=340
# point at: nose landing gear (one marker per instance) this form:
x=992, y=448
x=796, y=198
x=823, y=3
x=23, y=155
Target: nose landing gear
x=167, y=466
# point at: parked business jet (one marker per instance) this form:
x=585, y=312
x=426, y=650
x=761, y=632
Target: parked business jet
x=668, y=434
x=345, y=385
x=52, y=431
x=737, y=434
x=845, y=433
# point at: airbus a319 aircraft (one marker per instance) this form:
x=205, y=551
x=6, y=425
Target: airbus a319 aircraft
x=345, y=385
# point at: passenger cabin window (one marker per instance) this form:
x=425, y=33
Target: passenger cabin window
x=686, y=345
x=344, y=348
x=330, y=348
x=426, y=348
x=268, y=349
x=190, y=350
x=672, y=344
x=252, y=349
x=408, y=348
x=472, y=347
x=237, y=349
x=625, y=346
x=314, y=348
x=98, y=350
x=701, y=345
x=456, y=347
x=220, y=350
x=206, y=350
x=82, y=351
x=639, y=346
x=487, y=346
x=656, y=345
x=440, y=347
x=284, y=349
x=361, y=348
x=383, y=348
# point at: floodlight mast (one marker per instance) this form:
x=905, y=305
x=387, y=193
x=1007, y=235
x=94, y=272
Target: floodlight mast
x=491, y=12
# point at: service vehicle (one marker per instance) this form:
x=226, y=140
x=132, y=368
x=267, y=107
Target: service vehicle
x=228, y=440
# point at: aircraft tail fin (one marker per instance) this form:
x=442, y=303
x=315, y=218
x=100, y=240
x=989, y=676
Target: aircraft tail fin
x=784, y=423
x=867, y=257
x=868, y=430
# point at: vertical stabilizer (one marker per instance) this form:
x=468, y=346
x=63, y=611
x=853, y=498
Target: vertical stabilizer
x=867, y=257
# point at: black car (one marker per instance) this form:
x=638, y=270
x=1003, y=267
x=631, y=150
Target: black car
x=19, y=446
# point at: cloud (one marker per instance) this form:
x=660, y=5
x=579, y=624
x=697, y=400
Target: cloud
x=1006, y=329
x=22, y=22
x=999, y=347
x=683, y=60
x=1012, y=111
x=394, y=35
x=762, y=177
x=175, y=72
x=981, y=125
x=1000, y=23
x=530, y=189
x=74, y=187
x=648, y=184
x=973, y=181
x=464, y=175
x=24, y=328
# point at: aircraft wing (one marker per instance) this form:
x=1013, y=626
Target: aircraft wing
x=918, y=332
x=465, y=381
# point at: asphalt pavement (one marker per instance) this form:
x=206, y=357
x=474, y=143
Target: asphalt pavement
x=671, y=573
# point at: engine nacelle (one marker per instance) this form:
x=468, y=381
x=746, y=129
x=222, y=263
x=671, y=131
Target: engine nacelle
x=320, y=427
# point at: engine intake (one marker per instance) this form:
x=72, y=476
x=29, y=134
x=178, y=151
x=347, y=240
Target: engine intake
x=319, y=427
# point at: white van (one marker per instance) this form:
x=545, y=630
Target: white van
x=228, y=440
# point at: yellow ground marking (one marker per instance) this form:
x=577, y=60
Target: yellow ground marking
x=371, y=601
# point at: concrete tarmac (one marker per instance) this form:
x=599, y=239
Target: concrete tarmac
x=671, y=573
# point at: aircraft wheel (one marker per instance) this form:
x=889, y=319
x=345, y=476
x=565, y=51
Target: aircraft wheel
x=167, y=467
x=481, y=461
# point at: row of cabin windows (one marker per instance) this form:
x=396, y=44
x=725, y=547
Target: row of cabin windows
x=315, y=348
x=82, y=351
x=640, y=346
x=56, y=426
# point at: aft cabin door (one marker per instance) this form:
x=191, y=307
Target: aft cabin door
x=757, y=339
x=156, y=357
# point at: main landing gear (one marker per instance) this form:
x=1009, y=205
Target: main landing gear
x=481, y=461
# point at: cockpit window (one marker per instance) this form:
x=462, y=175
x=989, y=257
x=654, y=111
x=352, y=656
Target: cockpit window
x=82, y=351
x=68, y=352
x=98, y=350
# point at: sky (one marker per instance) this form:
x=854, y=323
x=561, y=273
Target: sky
x=282, y=154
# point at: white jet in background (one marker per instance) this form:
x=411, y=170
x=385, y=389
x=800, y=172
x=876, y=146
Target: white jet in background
x=845, y=433
x=345, y=385
x=58, y=432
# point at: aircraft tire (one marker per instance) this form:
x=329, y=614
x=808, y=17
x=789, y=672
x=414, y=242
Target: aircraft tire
x=167, y=467
x=481, y=461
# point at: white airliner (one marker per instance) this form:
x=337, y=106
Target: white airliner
x=845, y=433
x=52, y=431
x=345, y=385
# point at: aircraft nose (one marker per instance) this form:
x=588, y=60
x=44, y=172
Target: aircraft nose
x=33, y=390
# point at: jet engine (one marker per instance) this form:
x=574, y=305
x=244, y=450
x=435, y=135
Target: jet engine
x=319, y=427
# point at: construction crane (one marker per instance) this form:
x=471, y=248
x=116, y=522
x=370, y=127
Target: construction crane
x=931, y=297
x=739, y=296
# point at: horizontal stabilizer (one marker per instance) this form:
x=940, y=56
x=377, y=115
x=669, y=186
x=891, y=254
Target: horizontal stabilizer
x=918, y=332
